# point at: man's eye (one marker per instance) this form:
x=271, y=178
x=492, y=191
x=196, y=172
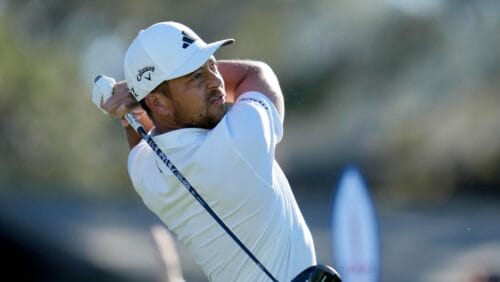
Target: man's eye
x=197, y=75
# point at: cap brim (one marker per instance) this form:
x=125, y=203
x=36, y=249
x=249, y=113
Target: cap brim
x=199, y=58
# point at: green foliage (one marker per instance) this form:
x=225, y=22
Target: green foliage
x=51, y=134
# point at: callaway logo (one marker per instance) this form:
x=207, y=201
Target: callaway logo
x=145, y=72
x=133, y=92
x=186, y=39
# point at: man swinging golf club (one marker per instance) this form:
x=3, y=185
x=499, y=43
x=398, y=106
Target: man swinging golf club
x=207, y=166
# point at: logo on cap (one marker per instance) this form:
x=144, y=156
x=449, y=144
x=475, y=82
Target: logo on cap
x=186, y=39
x=145, y=73
x=132, y=90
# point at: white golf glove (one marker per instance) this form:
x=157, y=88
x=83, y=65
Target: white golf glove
x=102, y=90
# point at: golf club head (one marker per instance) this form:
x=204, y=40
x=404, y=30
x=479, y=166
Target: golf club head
x=318, y=273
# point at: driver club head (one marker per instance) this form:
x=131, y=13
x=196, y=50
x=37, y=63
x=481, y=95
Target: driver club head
x=318, y=273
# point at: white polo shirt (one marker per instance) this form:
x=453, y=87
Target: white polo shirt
x=233, y=168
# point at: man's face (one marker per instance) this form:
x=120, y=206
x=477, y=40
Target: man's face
x=199, y=98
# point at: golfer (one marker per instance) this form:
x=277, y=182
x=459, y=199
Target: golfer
x=219, y=122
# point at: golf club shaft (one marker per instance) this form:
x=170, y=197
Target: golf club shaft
x=134, y=122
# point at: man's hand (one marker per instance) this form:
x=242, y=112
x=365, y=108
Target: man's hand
x=115, y=99
x=102, y=90
x=122, y=102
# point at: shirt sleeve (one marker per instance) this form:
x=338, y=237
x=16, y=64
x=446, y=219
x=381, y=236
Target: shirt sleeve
x=255, y=128
x=134, y=159
x=146, y=175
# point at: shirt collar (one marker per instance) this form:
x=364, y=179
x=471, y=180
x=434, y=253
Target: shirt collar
x=180, y=137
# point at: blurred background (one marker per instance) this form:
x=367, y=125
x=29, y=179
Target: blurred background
x=407, y=90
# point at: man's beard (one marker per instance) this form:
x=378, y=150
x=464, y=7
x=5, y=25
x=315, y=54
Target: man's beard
x=206, y=120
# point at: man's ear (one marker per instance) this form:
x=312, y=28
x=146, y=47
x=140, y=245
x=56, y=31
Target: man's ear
x=158, y=103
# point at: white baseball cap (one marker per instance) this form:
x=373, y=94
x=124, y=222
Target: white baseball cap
x=164, y=51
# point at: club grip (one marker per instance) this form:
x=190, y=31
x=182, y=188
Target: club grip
x=133, y=121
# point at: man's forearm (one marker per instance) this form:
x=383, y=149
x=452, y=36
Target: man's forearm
x=133, y=138
x=242, y=76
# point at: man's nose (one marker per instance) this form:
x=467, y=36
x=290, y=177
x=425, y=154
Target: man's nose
x=214, y=79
